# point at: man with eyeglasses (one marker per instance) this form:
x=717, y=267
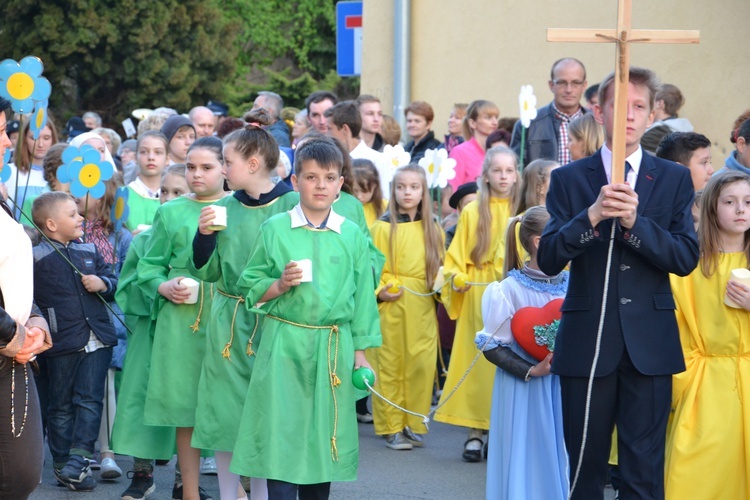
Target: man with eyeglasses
x=547, y=135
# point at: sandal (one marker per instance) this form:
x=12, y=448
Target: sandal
x=473, y=455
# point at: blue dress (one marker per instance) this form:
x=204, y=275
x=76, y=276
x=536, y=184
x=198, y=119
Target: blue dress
x=527, y=457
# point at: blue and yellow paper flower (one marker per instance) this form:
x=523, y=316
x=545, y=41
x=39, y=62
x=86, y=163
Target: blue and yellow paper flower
x=39, y=118
x=70, y=154
x=120, y=209
x=23, y=84
x=87, y=173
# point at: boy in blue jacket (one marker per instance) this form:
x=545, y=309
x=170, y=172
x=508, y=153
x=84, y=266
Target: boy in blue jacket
x=82, y=333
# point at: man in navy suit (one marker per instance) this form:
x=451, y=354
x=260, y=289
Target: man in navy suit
x=640, y=347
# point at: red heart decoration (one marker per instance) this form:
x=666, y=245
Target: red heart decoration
x=523, y=323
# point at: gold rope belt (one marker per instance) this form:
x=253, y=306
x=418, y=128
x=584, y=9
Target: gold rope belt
x=195, y=326
x=334, y=380
x=226, y=353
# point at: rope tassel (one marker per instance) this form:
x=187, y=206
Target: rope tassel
x=195, y=326
x=334, y=450
x=226, y=352
x=249, y=351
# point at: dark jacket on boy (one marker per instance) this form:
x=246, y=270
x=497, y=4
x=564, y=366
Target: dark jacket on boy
x=71, y=311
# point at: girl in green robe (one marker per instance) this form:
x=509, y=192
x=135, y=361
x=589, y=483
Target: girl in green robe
x=250, y=156
x=130, y=436
x=179, y=333
x=143, y=199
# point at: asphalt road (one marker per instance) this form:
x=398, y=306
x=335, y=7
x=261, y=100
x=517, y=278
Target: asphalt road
x=433, y=472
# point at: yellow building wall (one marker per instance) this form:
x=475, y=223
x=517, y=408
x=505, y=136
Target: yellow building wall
x=463, y=50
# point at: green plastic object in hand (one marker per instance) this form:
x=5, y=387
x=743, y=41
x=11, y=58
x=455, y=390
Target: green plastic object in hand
x=360, y=375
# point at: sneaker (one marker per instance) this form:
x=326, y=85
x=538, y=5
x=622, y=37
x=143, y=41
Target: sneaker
x=177, y=493
x=364, y=418
x=93, y=464
x=416, y=440
x=75, y=469
x=110, y=469
x=208, y=466
x=76, y=474
x=398, y=442
x=141, y=485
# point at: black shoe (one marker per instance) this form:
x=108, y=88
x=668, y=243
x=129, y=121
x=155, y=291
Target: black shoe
x=141, y=486
x=473, y=455
x=177, y=493
x=76, y=474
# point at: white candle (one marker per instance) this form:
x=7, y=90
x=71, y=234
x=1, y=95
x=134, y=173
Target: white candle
x=193, y=287
x=220, y=218
x=306, y=266
x=741, y=275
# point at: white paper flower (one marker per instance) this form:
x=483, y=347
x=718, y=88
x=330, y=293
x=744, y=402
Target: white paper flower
x=438, y=167
x=396, y=156
x=527, y=104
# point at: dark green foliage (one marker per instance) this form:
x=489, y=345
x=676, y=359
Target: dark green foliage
x=112, y=56
x=288, y=47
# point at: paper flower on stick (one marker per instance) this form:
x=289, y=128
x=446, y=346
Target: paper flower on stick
x=120, y=209
x=23, y=84
x=396, y=156
x=4, y=168
x=87, y=173
x=438, y=167
x=70, y=154
x=527, y=105
x=39, y=118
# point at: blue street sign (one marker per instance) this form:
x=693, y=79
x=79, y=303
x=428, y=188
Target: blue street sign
x=349, y=38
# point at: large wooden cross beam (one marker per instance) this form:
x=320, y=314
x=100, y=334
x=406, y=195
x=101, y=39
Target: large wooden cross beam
x=622, y=37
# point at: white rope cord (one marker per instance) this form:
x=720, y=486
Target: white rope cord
x=439, y=288
x=594, y=362
x=402, y=287
x=426, y=418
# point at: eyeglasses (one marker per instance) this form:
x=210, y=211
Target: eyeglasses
x=565, y=84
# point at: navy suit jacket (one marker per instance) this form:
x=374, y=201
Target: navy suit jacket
x=640, y=307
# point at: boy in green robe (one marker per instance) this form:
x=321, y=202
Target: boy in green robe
x=299, y=428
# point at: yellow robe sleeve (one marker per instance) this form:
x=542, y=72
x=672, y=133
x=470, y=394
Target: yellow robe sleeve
x=458, y=258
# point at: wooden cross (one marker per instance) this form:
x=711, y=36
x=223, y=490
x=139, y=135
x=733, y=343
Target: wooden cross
x=622, y=37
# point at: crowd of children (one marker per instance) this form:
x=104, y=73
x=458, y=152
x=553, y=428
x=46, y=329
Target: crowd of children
x=227, y=317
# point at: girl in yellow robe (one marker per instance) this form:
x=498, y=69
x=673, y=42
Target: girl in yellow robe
x=412, y=241
x=366, y=187
x=532, y=189
x=472, y=255
x=708, y=438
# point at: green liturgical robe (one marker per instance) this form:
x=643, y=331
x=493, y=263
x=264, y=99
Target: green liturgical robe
x=299, y=423
x=130, y=436
x=180, y=330
x=230, y=354
x=142, y=209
